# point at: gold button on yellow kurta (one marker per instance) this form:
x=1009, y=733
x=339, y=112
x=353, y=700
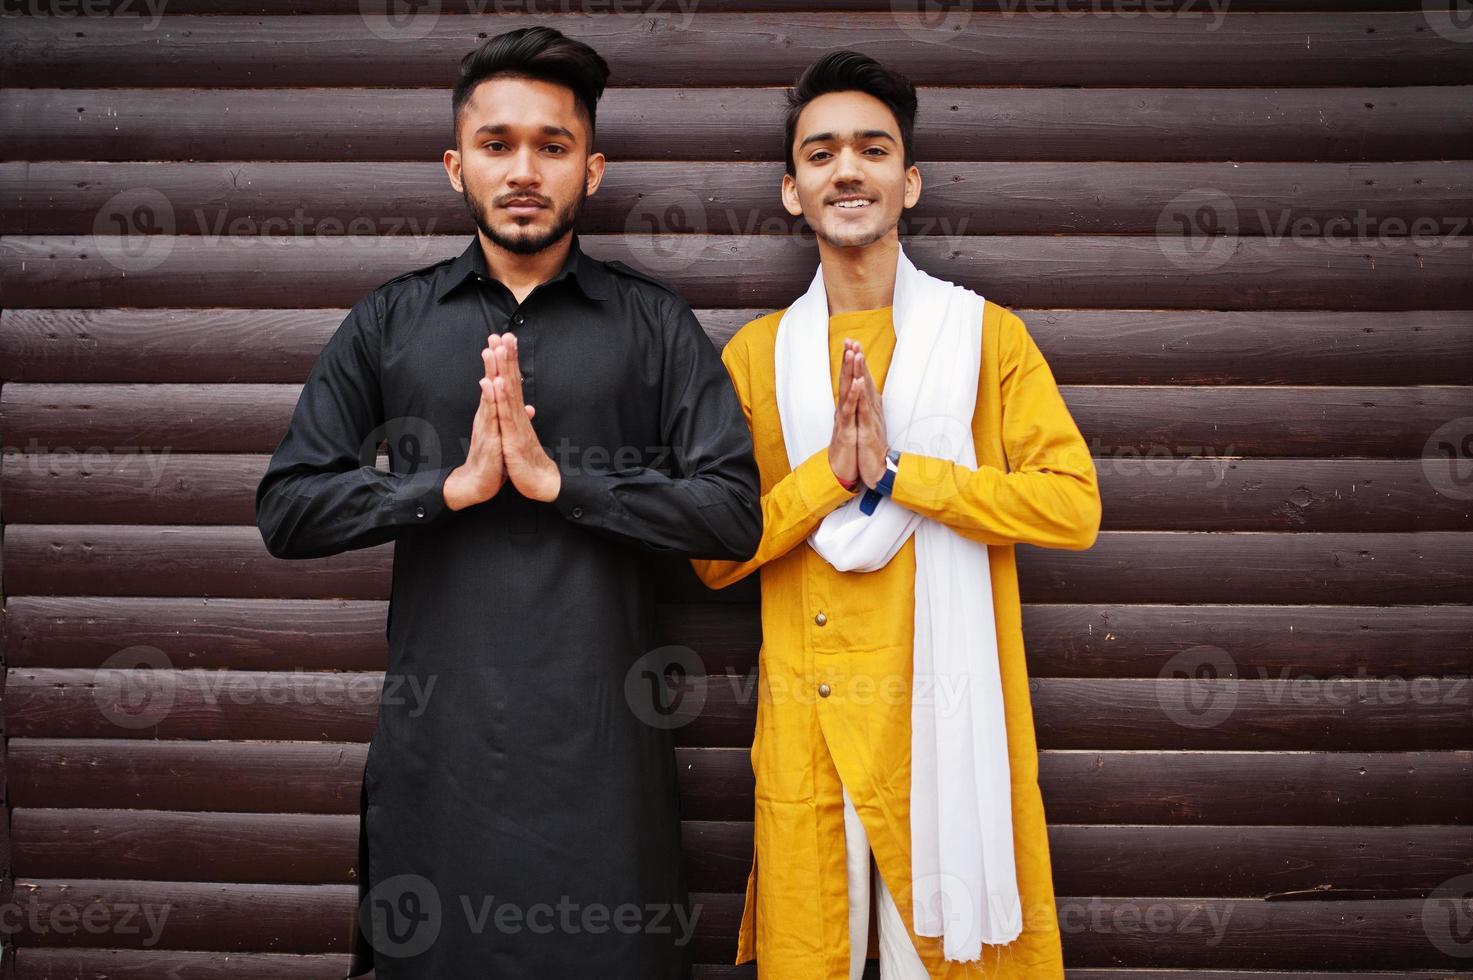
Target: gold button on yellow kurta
x=835, y=666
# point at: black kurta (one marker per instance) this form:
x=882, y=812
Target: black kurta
x=519, y=820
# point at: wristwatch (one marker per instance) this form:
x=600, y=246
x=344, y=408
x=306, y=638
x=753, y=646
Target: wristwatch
x=892, y=466
x=872, y=497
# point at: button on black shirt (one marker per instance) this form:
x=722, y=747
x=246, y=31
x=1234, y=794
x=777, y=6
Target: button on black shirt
x=527, y=772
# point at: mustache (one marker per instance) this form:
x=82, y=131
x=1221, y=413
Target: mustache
x=505, y=199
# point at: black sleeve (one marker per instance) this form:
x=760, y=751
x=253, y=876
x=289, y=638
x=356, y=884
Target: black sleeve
x=321, y=493
x=709, y=505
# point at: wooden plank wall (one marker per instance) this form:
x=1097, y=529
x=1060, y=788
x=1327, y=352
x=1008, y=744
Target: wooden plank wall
x=1239, y=232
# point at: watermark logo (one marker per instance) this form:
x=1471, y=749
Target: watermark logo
x=138, y=229
x=1451, y=19
x=933, y=21
x=413, y=444
x=143, y=464
x=404, y=916
x=36, y=915
x=399, y=20
x=1204, y=921
x=135, y=230
x=401, y=915
x=1191, y=687
x=1185, y=10
x=134, y=689
x=942, y=900
x=1179, y=461
x=666, y=688
x=1447, y=459
x=1198, y=229
x=664, y=225
x=151, y=11
x=657, y=14
x=1447, y=916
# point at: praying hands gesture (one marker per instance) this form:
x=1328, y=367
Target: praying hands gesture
x=503, y=443
x=858, y=446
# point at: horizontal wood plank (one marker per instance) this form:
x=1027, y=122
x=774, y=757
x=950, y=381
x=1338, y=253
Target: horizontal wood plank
x=1133, y=429
x=1280, y=863
x=1062, y=640
x=1121, y=567
x=768, y=271
x=1083, y=347
x=1190, y=706
x=1090, y=787
x=62, y=963
x=58, y=963
x=1432, y=122
x=701, y=48
x=1430, y=198
x=1140, y=492
x=1096, y=931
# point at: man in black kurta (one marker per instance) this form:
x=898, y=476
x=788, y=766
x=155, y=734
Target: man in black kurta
x=519, y=813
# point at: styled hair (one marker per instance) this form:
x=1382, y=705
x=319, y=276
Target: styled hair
x=850, y=71
x=539, y=53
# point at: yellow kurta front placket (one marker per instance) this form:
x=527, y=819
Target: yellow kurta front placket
x=835, y=668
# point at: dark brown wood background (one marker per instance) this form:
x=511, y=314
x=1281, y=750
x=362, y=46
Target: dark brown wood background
x=1267, y=408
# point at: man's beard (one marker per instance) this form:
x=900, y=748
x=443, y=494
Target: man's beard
x=523, y=244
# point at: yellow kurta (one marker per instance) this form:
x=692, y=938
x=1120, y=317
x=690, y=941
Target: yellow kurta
x=849, y=634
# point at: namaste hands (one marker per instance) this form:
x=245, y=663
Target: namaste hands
x=857, y=449
x=503, y=443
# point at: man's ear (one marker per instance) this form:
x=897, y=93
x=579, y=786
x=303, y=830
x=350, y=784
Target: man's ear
x=912, y=185
x=593, y=174
x=452, y=169
x=790, y=196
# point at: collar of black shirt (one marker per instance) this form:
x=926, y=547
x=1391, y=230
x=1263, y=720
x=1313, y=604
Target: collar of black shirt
x=586, y=272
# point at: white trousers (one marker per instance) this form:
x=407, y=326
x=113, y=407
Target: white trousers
x=898, y=957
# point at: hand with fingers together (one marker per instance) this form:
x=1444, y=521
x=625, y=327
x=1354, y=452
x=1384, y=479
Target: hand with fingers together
x=843, y=444
x=484, y=471
x=534, y=473
x=871, y=443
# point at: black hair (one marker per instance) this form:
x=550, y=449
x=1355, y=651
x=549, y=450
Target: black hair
x=539, y=53
x=850, y=71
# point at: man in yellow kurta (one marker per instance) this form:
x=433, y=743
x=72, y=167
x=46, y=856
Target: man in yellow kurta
x=833, y=726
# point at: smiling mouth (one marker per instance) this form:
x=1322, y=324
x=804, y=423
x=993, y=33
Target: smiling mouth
x=851, y=204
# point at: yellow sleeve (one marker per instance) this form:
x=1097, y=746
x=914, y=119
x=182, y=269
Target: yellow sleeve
x=1051, y=496
x=792, y=509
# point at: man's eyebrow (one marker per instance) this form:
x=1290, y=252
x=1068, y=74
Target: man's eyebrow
x=499, y=128
x=859, y=134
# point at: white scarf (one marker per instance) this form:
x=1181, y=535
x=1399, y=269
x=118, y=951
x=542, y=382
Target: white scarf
x=964, y=881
